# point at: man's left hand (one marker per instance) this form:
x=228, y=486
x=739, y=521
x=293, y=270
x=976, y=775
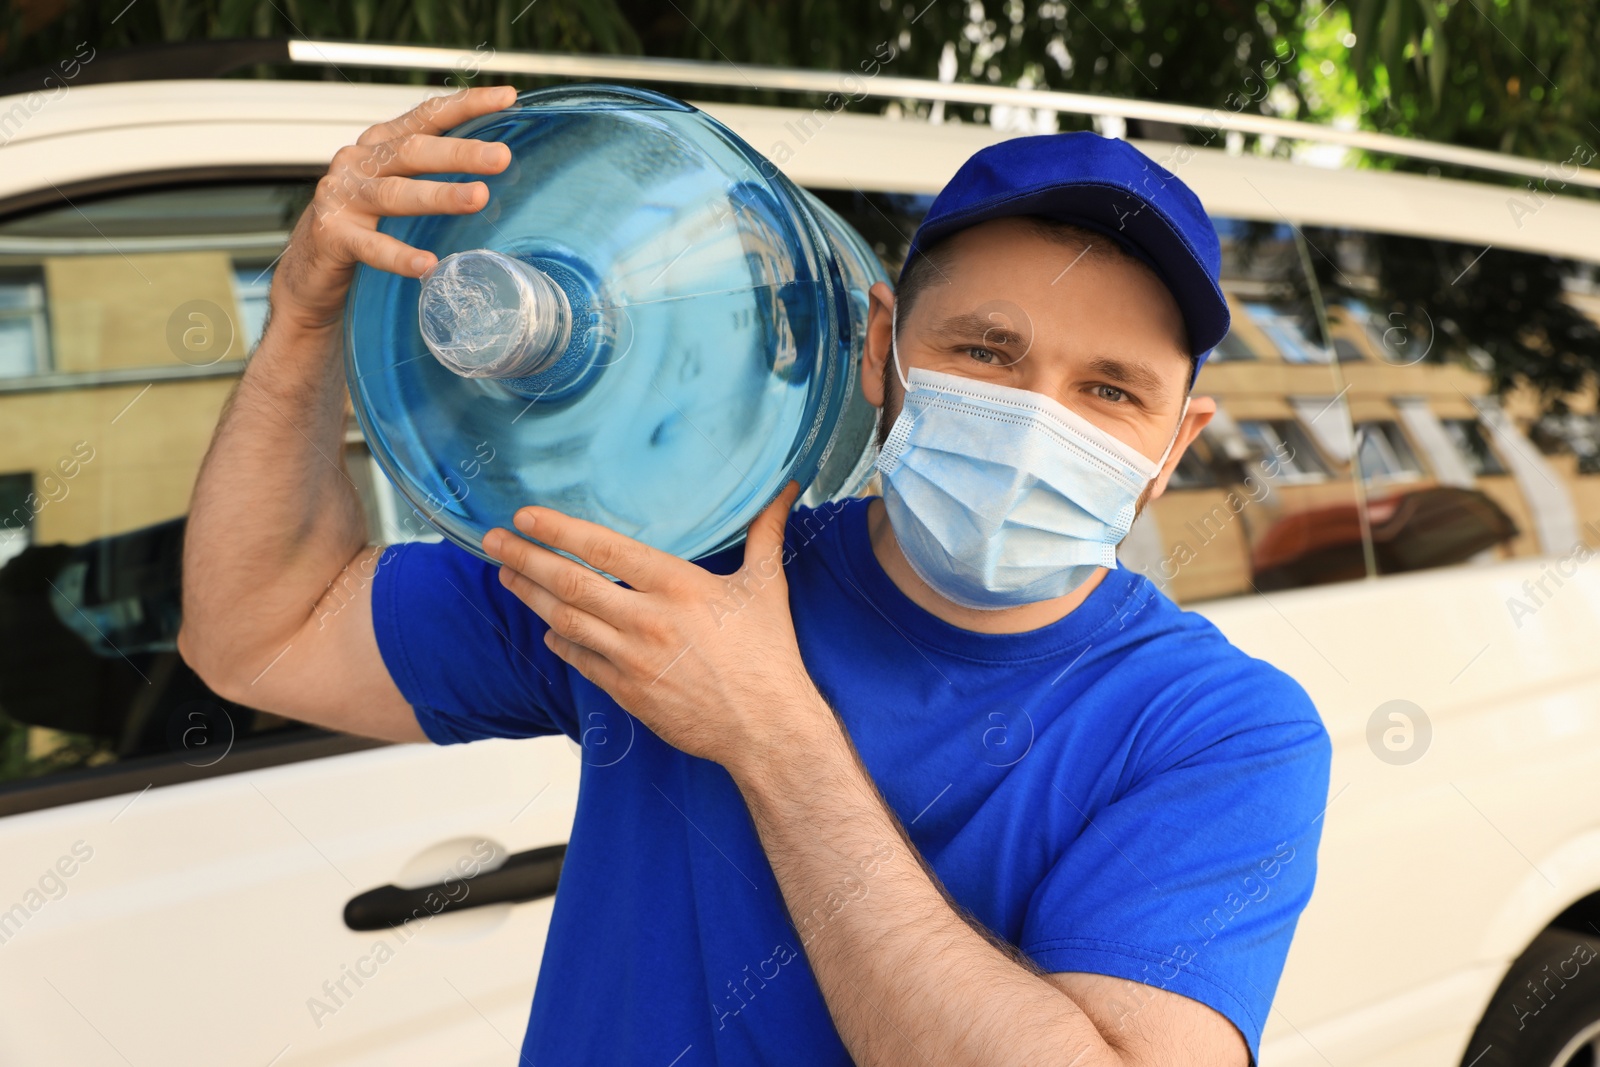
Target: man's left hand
x=709, y=662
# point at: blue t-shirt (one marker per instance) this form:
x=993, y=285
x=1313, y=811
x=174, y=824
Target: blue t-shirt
x=1121, y=792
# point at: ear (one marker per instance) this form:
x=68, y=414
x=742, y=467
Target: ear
x=1201, y=411
x=875, y=353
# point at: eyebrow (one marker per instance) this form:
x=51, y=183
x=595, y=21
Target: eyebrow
x=1139, y=375
x=971, y=324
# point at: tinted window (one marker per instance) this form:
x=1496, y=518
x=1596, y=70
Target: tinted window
x=1461, y=401
x=124, y=322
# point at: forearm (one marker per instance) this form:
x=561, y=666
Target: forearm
x=274, y=518
x=907, y=979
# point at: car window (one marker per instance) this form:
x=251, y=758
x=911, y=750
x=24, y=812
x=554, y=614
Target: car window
x=1386, y=374
x=1464, y=397
x=124, y=323
x=125, y=319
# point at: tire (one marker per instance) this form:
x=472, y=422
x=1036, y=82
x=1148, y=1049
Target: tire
x=1547, y=1011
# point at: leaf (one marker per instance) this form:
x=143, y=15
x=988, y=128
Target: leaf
x=1438, y=58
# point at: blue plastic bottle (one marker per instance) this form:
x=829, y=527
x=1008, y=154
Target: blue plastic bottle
x=648, y=327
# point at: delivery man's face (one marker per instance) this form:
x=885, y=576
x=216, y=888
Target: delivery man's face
x=1097, y=332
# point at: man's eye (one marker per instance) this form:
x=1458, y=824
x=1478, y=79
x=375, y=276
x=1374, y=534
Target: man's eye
x=985, y=355
x=1111, y=393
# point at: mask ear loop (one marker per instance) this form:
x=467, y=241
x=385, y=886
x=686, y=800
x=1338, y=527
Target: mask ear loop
x=894, y=347
x=1162, y=462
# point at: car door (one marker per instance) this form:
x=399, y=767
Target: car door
x=184, y=880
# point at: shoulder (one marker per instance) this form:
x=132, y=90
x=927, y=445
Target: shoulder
x=1171, y=641
x=1209, y=692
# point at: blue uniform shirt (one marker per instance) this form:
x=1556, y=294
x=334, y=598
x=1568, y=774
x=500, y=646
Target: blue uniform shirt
x=1121, y=792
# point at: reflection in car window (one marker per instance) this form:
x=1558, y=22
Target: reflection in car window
x=1297, y=457
x=124, y=321
x=17, y=528
x=1574, y=433
x=1192, y=472
x=1231, y=348
x=23, y=342
x=1285, y=328
x=251, y=283
x=1384, y=452
x=1469, y=439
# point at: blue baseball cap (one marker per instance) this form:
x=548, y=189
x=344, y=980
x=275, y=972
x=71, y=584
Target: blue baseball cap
x=1104, y=185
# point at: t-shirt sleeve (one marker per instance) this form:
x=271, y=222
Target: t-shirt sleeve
x=1193, y=880
x=463, y=650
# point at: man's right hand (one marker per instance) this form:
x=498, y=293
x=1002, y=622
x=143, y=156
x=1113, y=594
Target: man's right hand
x=372, y=179
x=277, y=572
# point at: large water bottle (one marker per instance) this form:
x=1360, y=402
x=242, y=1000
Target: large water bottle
x=648, y=326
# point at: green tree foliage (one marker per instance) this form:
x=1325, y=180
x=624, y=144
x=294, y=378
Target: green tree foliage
x=1200, y=53
x=1505, y=75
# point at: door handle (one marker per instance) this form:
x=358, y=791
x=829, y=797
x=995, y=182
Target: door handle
x=523, y=877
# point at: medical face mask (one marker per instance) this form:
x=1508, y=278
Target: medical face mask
x=1001, y=496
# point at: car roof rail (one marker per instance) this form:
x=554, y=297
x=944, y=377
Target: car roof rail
x=797, y=80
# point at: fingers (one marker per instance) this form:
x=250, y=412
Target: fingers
x=375, y=176
x=641, y=566
x=376, y=181
x=411, y=196
x=439, y=113
x=569, y=582
x=388, y=253
x=764, y=540
x=422, y=154
x=589, y=663
x=571, y=622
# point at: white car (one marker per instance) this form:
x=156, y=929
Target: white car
x=186, y=881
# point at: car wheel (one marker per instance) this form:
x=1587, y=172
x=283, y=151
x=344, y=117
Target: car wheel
x=1547, y=1011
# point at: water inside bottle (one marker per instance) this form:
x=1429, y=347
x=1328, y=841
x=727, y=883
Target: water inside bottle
x=709, y=354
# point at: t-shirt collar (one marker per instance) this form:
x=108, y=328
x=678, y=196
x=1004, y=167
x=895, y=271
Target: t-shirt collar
x=1121, y=594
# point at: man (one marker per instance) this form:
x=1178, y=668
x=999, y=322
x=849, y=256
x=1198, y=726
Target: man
x=916, y=780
